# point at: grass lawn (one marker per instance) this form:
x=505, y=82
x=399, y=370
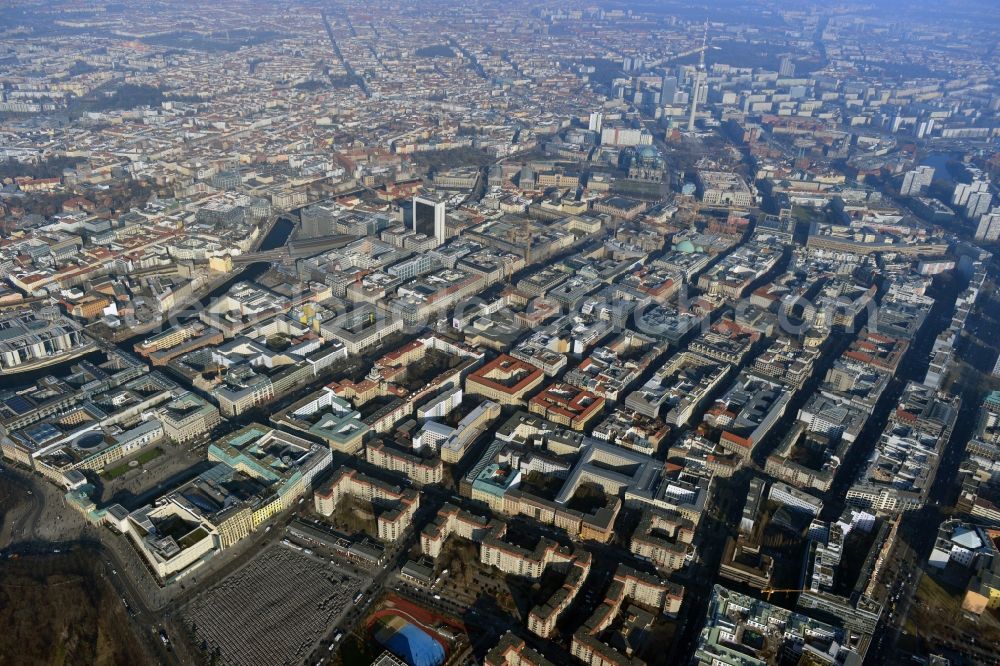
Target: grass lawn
x=111, y=473
x=146, y=456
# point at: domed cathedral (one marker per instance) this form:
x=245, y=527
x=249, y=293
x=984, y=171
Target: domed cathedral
x=646, y=165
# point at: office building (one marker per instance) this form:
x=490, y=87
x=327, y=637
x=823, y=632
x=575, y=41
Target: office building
x=429, y=217
x=596, y=120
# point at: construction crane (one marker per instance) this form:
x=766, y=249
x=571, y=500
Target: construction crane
x=700, y=49
x=683, y=54
x=768, y=591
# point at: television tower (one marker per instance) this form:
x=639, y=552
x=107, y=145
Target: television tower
x=699, y=79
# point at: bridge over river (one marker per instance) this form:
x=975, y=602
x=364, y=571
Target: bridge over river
x=296, y=249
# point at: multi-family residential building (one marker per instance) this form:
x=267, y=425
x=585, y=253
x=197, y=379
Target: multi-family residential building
x=398, y=504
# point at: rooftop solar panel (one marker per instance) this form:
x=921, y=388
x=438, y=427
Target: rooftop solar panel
x=18, y=404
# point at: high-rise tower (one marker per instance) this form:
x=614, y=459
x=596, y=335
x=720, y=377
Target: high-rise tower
x=700, y=80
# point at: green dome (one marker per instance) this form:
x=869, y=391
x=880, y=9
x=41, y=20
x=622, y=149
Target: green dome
x=685, y=246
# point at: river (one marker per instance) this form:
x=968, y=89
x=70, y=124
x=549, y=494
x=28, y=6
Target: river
x=277, y=237
x=940, y=163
